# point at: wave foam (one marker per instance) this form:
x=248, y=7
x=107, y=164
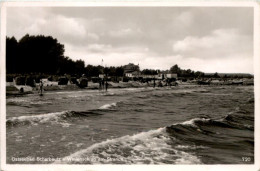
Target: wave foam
x=150, y=147
x=108, y=106
x=42, y=118
x=192, y=121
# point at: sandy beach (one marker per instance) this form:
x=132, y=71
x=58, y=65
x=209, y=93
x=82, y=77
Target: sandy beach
x=53, y=86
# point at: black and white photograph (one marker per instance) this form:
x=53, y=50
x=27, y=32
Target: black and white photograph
x=129, y=85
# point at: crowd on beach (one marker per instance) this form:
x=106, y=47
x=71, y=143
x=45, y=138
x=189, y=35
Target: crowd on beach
x=23, y=84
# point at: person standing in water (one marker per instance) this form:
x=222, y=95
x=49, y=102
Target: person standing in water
x=41, y=86
x=106, y=85
x=100, y=84
x=103, y=84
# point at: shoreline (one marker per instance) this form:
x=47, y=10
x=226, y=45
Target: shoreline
x=13, y=90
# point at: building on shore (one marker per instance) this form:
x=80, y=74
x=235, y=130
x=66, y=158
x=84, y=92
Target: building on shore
x=172, y=75
x=165, y=74
x=131, y=67
x=131, y=70
x=133, y=74
x=148, y=76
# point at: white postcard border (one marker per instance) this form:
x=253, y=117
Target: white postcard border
x=255, y=5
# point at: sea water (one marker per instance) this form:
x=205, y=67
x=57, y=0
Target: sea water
x=177, y=125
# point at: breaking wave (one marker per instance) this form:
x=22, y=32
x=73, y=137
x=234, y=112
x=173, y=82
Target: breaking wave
x=174, y=144
x=55, y=116
x=44, y=118
x=107, y=106
x=152, y=147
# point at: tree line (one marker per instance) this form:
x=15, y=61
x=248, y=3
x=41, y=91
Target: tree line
x=39, y=54
x=45, y=55
x=186, y=73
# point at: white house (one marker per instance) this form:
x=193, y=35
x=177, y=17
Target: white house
x=132, y=74
x=166, y=75
x=171, y=76
x=129, y=74
x=101, y=76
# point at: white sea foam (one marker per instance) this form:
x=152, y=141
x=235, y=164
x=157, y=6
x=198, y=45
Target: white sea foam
x=34, y=119
x=25, y=101
x=108, y=106
x=40, y=102
x=80, y=95
x=79, y=144
x=193, y=147
x=187, y=159
x=65, y=124
x=192, y=121
x=16, y=100
x=191, y=90
x=150, y=147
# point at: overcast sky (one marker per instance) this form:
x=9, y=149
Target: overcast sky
x=208, y=39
